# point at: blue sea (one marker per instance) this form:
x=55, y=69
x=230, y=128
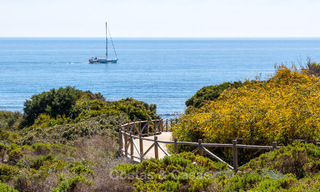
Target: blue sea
x=161, y=71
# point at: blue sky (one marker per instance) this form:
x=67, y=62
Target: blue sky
x=160, y=18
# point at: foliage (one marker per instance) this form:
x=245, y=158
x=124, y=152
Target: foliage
x=7, y=172
x=129, y=107
x=182, y=172
x=53, y=103
x=298, y=159
x=81, y=168
x=6, y=188
x=282, y=109
x=9, y=120
x=66, y=141
x=41, y=161
x=312, y=68
x=210, y=93
x=291, y=168
x=70, y=184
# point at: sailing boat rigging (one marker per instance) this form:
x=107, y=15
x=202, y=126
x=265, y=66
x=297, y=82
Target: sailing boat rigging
x=105, y=60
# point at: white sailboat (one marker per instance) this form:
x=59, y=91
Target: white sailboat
x=105, y=60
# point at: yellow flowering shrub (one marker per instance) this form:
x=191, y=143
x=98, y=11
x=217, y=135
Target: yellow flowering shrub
x=284, y=108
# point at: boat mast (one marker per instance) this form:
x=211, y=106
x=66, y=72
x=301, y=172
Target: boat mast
x=106, y=40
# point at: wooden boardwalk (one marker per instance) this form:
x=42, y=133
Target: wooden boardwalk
x=164, y=136
x=141, y=140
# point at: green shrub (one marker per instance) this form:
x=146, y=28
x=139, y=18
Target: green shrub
x=7, y=172
x=9, y=120
x=41, y=160
x=70, y=184
x=312, y=68
x=210, y=93
x=3, y=147
x=81, y=168
x=6, y=188
x=179, y=172
x=53, y=103
x=275, y=185
x=298, y=159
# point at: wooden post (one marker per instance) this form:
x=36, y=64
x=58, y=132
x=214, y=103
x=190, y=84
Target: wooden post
x=235, y=155
x=176, y=145
x=274, y=145
x=147, y=127
x=140, y=126
x=133, y=128
x=155, y=126
x=161, y=125
x=131, y=146
x=128, y=128
x=156, y=153
x=125, y=143
x=141, y=147
x=199, y=146
x=120, y=140
x=166, y=125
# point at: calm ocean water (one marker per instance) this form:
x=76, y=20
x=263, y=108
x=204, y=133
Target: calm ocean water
x=161, y=71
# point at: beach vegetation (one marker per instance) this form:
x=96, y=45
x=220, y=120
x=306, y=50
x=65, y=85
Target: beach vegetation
x=66, y=140
x=283, y=108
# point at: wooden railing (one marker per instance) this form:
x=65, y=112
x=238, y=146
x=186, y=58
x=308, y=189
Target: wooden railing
x=139, y=129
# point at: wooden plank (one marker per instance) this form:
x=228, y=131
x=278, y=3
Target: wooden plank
x=125, y=145
x=176, y=145
x=137, y=129
x=200, y=151
x=120, y=140
x=135, y=146
x=148, y=150
x=235, y=155
x=274, y=145
x=131, y=128
x=216, y=157
x=187, y=143
x=254, y=146
x=156, y=152
x=141, y=147
x=166, y=125
x=216, y=145
x=131, y=146
x=169, y=142
x=143, y=128
x=167, y=154
x=195, y=150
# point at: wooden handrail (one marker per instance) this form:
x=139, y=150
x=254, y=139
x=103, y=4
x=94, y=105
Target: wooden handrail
x=127, y=136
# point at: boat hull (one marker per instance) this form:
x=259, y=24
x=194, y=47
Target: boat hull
x=103, y=60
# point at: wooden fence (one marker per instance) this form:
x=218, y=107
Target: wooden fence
x=139, y=129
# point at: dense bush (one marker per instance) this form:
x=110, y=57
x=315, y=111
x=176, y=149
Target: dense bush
x=210, y=93
x=298, y=159
x=282, y=109
x=6, y=188
x=63, y=115
x=312, y=68
x=9, y=120
x=182, y=172
x=53, y=103
x=7, y=172
x=67, y=141
x=292, y=168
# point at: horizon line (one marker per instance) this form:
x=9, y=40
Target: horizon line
x=162, y=37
